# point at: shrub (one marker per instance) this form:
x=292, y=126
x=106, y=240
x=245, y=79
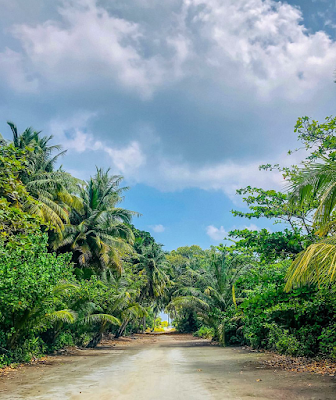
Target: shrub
x=328, y=341
x=29, y=276
x=282, y=341
x=205, y=332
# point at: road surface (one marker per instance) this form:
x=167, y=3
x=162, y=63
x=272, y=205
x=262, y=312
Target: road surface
x=167, y=367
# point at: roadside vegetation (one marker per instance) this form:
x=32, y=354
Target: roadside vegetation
x=271, y=289
x=73, y=267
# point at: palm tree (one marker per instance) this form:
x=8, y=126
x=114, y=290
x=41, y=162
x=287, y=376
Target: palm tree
x=317, y=264
x=210, y=287
x=152, y=265
x=49, y=188
x=36, y=318
x=98, y=234
x=317, y=181
x=40, y=147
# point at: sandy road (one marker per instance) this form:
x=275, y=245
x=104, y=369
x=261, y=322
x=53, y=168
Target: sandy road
x=169, y=367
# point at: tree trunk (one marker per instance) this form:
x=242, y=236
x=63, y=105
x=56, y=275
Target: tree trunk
x=121, y=330
x=95, y=340
x=144, y=324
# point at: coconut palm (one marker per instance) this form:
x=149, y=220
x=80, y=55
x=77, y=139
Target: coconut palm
x=36, y=318
x=51, y=189
x=209, y=290
x=317, y=181
x=317, y=264
x=152, y=265
x=98, y=234
x=41, y=151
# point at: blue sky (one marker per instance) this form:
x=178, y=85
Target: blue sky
x=184, y=98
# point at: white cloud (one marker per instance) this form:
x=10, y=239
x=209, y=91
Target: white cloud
x=73, y=133
x=12, y=67
x=254, y=48
x=216, y=234
x=226, y=176
x=157, y=228
x=89, y=44
x=252, y=227
x=258, y=45
x=127, y=160
x=262, y=44
x=143, y=162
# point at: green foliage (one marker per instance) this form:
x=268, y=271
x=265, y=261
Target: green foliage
x=186, y=321
x=327, y=341
x=12, y=163
x=98, y=234
x=14, y=222
x=28, y=305
x=271, y=246
x=288, y=323
x=205, y=332
x=271, y=204
x=318, y=138
x=109, y=277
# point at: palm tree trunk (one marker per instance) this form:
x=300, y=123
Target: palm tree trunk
x=95, y=340
x=121, y=330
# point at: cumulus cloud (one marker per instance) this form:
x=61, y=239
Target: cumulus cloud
x=216, y=234
x=89, y=43
x=75, y=136
x=12, y=67
x=261, y=44
x=73, y=132
x=127, y=160
x=132, y=161
x=219, y=234
x=157, y=228
x=144, y=161
x=226, y=176
x=255, y=54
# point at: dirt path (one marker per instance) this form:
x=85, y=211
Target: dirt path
x=165, y=367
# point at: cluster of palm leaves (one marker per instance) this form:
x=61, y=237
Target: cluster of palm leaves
x=317, y=264
x=98, y=233
x=83, y=217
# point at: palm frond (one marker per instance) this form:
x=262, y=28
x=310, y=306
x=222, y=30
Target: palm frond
x=68, y=316
x=103, y=318
x=315, y=265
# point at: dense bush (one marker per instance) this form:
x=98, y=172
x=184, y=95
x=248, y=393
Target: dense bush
x=30, y=280
x=205, y=332
x=327, y=341
x=297, y=323
x=186, y=321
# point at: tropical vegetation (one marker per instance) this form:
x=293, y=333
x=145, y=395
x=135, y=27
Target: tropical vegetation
x=74, y=268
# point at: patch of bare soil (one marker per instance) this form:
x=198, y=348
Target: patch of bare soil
x=302, y=364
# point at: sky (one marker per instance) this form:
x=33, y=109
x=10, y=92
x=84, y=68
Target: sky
x=184, y=98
